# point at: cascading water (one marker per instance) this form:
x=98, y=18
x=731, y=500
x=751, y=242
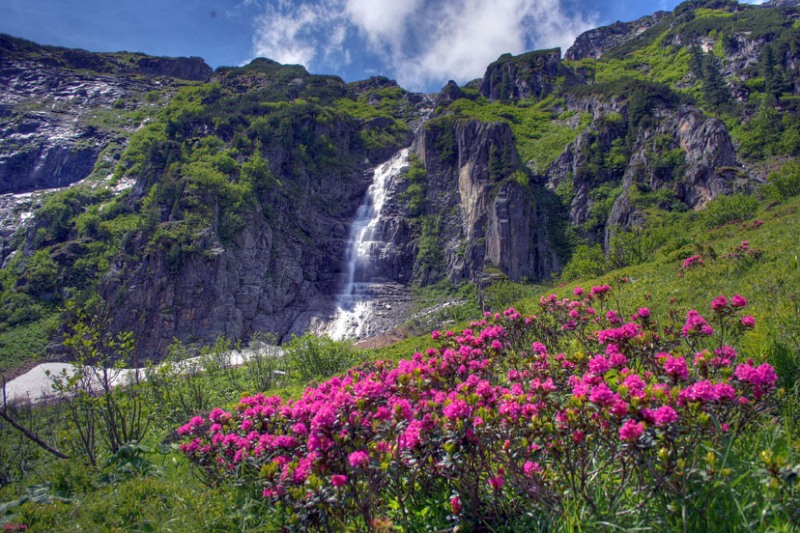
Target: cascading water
x=356, y=303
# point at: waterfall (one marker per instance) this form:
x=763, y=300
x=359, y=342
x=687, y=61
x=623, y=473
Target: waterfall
x=355, y=303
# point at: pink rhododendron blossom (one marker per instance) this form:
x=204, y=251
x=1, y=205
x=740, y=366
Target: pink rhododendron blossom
x=748, y=321
x=676, y=367
x=600, y=290
x=487, y=396
x=530, y=468
x=602, y=395
x=599, y=365
x=738, y=301
x=630, y=431
x=619, y=335
x=358, y=458
x=497, y=482
x=762, y=378
x=665, y=415
x=619, y=409
x=693, y=261
x=219, y=416
x=455, y=504
x=696, y=324
x=719, y=303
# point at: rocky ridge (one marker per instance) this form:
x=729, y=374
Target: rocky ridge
x=468, y=207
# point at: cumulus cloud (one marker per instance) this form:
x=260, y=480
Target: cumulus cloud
x=419, y=42
x=292, y=33
x=383, y=21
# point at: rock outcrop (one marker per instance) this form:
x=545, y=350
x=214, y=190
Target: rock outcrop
x=595, y=43
x=486, y=210
x=529, y=75
x=60, y=108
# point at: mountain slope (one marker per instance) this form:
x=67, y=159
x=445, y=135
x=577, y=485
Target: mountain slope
x=228, y=211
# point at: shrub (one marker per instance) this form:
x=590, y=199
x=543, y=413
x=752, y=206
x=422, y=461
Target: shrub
x=785, y=183
x=724, y=209
x=513, y=417
x=586, y=262
x=311, y=357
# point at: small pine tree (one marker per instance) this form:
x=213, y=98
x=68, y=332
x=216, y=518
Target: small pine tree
x=714, y=90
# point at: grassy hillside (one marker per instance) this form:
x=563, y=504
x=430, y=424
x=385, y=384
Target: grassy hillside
x=152, y=486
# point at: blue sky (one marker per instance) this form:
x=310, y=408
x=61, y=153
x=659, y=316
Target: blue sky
x=420, y=43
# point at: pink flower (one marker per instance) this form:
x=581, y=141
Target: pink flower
x=358, y=458
x=602, y=395
x=497, y=482
x=599, y=365
x=530, y=468
x=600, y=290
x=455, y=503
x=635, y=384
x=338, y=480
x=620, y=408
x=762, y=378
x=676, y=367
x=738, y=301
x=696, y=324
x=411, y=436
x=693, y=261
x=719, y=303
x=630, y=431
x=578, y=292
x=219, y=416
x=665, y=415
x=748, y=321
x=643, y=312
x=458, y=409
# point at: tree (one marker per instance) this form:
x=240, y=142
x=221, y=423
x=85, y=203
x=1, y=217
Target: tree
x=105, y=403
x=714, y=90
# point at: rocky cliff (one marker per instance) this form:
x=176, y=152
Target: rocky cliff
x=594, y=43
x=60, y=108
x=530, y=75
x=223, y=201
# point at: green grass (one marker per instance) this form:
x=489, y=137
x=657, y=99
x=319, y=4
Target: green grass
x=166, y=496
x=26, y=343
x=540, y=132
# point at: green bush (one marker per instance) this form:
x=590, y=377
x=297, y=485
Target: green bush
x=586, y=262
x=784, y=183
x=725, y=209
x=311, y=357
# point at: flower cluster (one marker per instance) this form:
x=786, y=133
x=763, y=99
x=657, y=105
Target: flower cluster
x=506, y=414
x=693, y=261
x=744, y=251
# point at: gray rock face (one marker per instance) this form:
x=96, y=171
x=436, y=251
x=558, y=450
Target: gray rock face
x=683, y=151
x=487, y=218
x=595, y=43
x=781, y=3
x=59, y=108
x=530, y=75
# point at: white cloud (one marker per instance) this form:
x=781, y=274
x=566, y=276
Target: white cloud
x=383, y=21
x=296, y=34
x=421, y=42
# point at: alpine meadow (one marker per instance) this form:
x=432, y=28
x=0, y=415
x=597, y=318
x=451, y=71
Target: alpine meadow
x=564, y=296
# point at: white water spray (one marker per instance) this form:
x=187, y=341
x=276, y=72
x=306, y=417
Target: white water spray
x=364, y=244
